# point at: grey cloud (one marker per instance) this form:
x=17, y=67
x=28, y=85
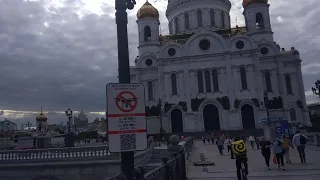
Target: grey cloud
x=53, y=57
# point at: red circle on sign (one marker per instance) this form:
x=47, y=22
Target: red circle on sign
x=126, y=101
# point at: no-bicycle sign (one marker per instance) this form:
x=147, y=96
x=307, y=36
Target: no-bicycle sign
x=127, y=126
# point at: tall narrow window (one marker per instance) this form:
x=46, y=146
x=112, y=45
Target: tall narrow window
x=200, y=81
x=213, y=23
x=293, y=115
x=199, y=17
x=176, y=24
x=207, y=81
x=267, y=78
x=150, y=91
x=243, y=76
x=174, y=84
x=288, y=84
x=186, y=21
x=215, y=80
x=259, y=21
x=223, y=23
x=147, y=33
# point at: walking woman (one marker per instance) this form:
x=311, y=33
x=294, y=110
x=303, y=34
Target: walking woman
x=266, y=151
x=286, y=147
x=278, y=152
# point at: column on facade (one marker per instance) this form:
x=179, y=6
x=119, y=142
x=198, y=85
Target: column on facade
x=274, y=80
x=282, y=88
x=294, y=84
x=258, y=80
x=236, y=80
x=160, y=82
x=192, y=84
x=181, y=90
x=301, y=87
x=251, y=78
x=156, y=90
x=167, y=89
x=230, y=81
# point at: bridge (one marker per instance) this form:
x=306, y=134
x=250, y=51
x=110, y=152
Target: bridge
x=176, y=161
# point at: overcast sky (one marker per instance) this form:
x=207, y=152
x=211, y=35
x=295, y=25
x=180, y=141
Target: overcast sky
x=62, y=53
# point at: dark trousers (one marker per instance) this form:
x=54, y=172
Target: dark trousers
x=267, y=158
x=238, y=164
x=301, y=151
x=229, y=149
x=279, y=157
x=220, y=149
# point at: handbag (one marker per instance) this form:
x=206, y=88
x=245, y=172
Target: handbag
x=274, y=159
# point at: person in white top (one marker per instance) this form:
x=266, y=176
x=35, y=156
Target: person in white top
x=299, y=140
x=252, y=141
x=228, y=142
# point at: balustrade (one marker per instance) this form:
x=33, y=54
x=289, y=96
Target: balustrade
x=57, y=154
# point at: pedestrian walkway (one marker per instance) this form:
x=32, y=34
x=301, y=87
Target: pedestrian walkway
x=225, y=166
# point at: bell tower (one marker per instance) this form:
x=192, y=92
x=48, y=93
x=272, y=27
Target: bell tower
x=148, y=28
x=257, y=18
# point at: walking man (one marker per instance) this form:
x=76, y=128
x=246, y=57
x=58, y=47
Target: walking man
x=299, y=140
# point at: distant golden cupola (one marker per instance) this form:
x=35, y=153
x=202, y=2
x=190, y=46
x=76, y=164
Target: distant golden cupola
x=41, y=117
x=246, y=3
x=147, y=10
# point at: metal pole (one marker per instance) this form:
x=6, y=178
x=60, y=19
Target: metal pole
x=127, y=158
x=270, y=124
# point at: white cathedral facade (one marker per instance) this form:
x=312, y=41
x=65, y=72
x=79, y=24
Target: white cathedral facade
x=211, y=77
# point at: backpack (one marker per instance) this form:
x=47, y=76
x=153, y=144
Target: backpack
x=286, y=144
x=303, y=140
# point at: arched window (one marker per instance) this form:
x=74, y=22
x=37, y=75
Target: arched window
x=147, y=33
x=200, y=81
x=176, y=24
x=267, y=78
x=207, y=81
x=223, y=23
x=215, y=80
x=186, y=21
x=213, y=23
x=243, y=76
x=259, y=21
x=174, y=84
x=293, y=115
x=199, y=17
x=288, y=84
x=150, y=91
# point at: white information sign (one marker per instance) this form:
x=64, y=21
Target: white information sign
x=127, y=125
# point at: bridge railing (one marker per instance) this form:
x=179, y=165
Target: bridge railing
x=174, y=169
x=60, y=154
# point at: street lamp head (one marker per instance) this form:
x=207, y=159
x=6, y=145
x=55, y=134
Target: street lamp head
x=130, y=4
x=67, y=113
x=317, y=83
x=314, y=90
x=70, y=112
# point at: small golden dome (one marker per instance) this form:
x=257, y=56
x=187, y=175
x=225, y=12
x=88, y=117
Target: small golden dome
x=41, y=117
x=246, y=3
x=147, y=10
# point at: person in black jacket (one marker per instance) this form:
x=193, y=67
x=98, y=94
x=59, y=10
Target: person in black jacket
x=266, y=151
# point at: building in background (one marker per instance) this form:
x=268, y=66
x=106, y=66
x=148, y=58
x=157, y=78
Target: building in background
x=6, y=126
x=98, y=125
x=80, y=123
x=212, y=77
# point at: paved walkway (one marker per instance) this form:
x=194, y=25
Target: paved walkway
x=225, y=167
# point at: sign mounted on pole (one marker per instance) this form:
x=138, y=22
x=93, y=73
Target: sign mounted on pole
x=127, y=125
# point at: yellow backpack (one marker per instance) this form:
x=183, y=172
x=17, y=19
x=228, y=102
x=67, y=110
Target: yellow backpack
x=239, y=148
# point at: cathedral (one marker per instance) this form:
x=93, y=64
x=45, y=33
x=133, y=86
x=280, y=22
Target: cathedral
x=208, y=76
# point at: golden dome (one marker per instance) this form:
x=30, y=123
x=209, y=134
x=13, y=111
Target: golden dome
x=41, y=117
x=246, y=3
x=147, y=10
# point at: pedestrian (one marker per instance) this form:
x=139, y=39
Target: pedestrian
x=228, y=144
x=286, y=147
x=299, y=140
x=252, y=141
x=212, y=138
x=208, y=139
x=278, y=152
x=203, y=139
x=220, y=143
x=257, y=140
x=266, y=151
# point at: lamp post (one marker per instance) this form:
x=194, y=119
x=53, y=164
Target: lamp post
x=69, y=136
x=127, y=158
x=316, y=89
x=271, y=126
x=160, y=117
x=29, y=125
